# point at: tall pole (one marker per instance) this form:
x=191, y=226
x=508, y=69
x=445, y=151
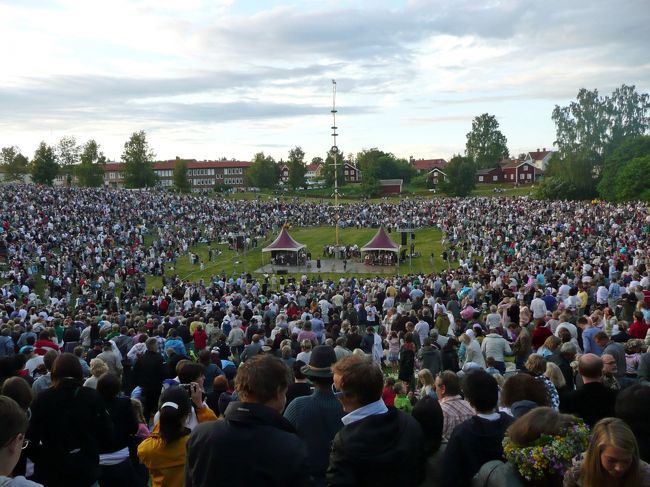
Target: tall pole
x=334, y=150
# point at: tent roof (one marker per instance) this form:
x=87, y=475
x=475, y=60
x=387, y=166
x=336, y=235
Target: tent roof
x=284, y=241
x=381, y=241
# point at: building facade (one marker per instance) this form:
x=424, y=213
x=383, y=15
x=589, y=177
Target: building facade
x=202, y=175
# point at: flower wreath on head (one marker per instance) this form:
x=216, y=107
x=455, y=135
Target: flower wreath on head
x=550, y=454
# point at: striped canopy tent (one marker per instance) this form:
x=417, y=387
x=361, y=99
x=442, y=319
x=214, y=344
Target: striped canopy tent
x=284, y=248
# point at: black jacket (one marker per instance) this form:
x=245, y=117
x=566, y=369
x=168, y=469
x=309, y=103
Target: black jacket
x=473, y=443
x=384, y=449
x=125, y=423
x=68, y=429
x=592, y=402
x=149, y=371
x=254, y=443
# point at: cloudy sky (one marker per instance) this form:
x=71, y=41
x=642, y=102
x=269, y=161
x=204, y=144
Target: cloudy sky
x=230, y=78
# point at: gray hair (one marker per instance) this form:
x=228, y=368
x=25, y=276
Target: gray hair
x=568, y=347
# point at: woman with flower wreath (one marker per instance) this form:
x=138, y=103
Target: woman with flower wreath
x=539, y=448
x=611, y=460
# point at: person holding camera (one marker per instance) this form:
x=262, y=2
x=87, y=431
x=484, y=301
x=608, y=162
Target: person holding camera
x=163, y=452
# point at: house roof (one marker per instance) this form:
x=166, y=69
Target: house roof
x=510, y=163
x=437, y=169
x=313, y=167
x=191, y=164
x=428, y=164
x=539, y=155
x=390, y=182
x=381, y=241
x=482, y=172
x=284, y=241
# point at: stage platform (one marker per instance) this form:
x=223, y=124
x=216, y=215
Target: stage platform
x=329, y=266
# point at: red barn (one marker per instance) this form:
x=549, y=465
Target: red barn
x=520, y=172
x=492, y=175
x=391, y=186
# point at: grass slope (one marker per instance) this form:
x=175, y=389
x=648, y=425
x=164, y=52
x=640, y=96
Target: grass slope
x=427, y=241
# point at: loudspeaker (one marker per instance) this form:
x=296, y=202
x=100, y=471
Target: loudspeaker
x=412, y=236
x=282, y=271
x=404, y=235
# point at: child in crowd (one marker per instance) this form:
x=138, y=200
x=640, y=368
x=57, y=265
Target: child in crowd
x=402, y=401
x=632, y=357
x=393, y=351
x=388, y=396
x=489, y=363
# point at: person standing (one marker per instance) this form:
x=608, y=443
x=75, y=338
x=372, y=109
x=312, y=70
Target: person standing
x=455, y=409
x=148, y=374
x=214, y=450
x=377, y=445
x=317, y=417
x=593, y=401
x=497, y=347
x=68, y=428
x=478, y=439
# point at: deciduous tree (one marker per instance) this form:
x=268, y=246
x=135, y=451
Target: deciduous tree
x=461, y=176
x=138, y=162
x=44, y=167
x=297, y=168
x=263, y=173
x=90, y=172
x=486, y=145
x=633, y=181
x=13, y=163
x=181, y=183
x=630, y=148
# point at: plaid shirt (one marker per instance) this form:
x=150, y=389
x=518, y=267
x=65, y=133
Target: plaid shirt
x=455, y=410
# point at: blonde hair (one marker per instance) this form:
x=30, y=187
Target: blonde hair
x=426, y=377
x=359, y=353
x=609, y=432
x=536, y=364
x=465, y=339
x=555, y=375
x=138, y=410
x=98, y=367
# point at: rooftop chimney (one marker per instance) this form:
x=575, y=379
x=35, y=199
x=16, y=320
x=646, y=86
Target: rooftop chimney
x=538, y=149
x=544, y=149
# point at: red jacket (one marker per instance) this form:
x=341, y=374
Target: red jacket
x=200, y=339
x=41, y=347
x=389, y=397
x=540, y=334
x=638, y=329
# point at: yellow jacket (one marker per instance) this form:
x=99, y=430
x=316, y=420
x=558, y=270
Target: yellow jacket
x=166, y=462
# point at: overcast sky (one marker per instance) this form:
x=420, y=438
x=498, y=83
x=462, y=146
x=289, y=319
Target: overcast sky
x=229, y=78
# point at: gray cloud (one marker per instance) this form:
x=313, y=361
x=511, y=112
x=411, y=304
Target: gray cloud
x=76, y=98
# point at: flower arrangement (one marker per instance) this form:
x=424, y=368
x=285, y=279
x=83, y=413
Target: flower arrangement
x=550, y=454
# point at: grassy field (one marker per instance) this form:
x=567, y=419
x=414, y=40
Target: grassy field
x=427, y=241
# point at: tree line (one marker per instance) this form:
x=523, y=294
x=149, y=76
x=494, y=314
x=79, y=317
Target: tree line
x=603, y=150
x=84, y=162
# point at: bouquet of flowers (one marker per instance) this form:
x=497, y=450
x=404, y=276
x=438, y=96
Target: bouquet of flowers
x=549, y=455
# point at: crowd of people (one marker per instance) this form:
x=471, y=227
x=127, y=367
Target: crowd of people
x=523, y=363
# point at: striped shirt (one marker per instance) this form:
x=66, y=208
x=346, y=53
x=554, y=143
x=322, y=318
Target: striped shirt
x=455, y=410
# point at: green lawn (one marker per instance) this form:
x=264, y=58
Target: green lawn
x=427, y=241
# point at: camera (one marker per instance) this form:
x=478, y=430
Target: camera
x=188, y=387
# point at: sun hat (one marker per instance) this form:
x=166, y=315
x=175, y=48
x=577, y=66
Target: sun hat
x=320, y=363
